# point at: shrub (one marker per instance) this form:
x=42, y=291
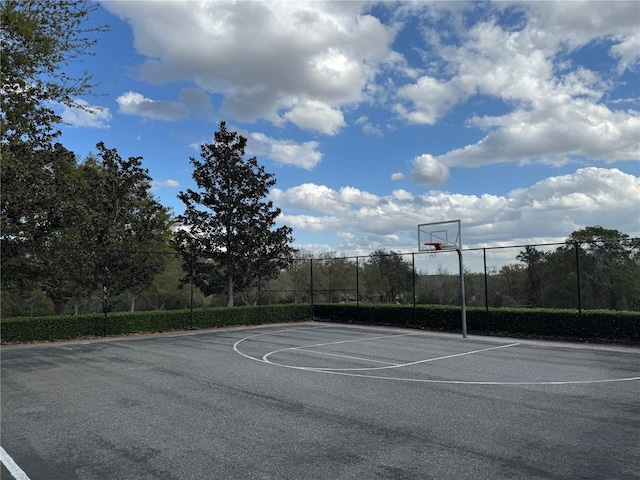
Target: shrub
x=593, y=325
x=27, y=329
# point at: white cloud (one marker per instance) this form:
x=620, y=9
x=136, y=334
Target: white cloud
x=552, y=133
x=314, y=115
x=368, y=128
x=397, y=176
x=355, y=196
x=628, y=51
x=309, y=197
x=430, y=100
x=86, y=116
x=168, y=183
x=428, y=170
x=132, y=103
x=556, y=113
x=270, y=60
x=286, y=152
x=548, y=211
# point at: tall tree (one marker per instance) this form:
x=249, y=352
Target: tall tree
x=393, y=272
x=122, y=217
x=228, y=223
x=95, y=231
x=610, y=272
x=40, y=39
x=534, y=260
x=607, y=262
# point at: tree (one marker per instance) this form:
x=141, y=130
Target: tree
x=123, y=221
x=334, y=278
x=40, y=39
x=609, y=268
x=534, y=260
x=227, y=223
x=390, y=273
x=91, y=228
x=606, y=261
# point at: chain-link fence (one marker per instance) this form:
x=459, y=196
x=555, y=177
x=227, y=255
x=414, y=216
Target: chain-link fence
x=603, y=275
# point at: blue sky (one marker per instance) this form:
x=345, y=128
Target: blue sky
x=521, y=119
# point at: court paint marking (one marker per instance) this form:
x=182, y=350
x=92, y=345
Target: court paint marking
x=391, y=365
x=346, y=356
x=408, y=379
x=304, y=347
x=12, y=466
x=237, y=350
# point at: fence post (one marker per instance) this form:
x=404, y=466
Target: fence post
x=259, y=289
x=413, y=286
x=486, y=284
x=357, y=288
x=577, y=249
x=311, y=286
x=463, y=307
x=191, y=273
x=105, y=290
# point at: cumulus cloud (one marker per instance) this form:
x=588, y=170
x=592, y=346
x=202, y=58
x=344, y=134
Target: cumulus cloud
x=428, y=170
x=555, y=112
x=197, y=100
x=286, y=152
x=547, y=211
x=300, y=55
x=86, y=115
x=132, y=103
x=552, y=134
x=627, y=51
x=314, y=115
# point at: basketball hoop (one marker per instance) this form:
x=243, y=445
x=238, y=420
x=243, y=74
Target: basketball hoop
x=445, y=236
x=432, y=248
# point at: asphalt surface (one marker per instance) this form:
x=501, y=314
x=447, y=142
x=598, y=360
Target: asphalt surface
x=320, y=401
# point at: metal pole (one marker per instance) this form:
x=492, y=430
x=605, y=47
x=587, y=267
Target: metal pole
x=486, y=282
x=577, y=249
x=311, y=274
x=105, y=292
x=259, y=289
x=463, y=308
x=413, y=281
x=357, y=288
x=191, y=270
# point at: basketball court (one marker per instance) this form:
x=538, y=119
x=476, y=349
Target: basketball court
x=314, y=401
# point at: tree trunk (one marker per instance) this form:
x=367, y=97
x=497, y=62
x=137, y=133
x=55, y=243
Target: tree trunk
x=59, y=306
x=133, y=303
x=229, y=290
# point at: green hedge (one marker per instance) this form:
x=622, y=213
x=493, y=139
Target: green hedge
x=28, y=329
x=592, y=325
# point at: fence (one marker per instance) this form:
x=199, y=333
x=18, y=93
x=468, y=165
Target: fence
x=560, y=275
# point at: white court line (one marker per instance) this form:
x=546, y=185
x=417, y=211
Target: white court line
x=304, y=347
x=420, y=380
x=12, y=466
x=392, y=365
x=237, y=350
x=350, y=358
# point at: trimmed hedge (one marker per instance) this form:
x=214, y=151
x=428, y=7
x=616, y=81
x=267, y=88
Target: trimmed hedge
x=29, y=329
x=591, y=325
